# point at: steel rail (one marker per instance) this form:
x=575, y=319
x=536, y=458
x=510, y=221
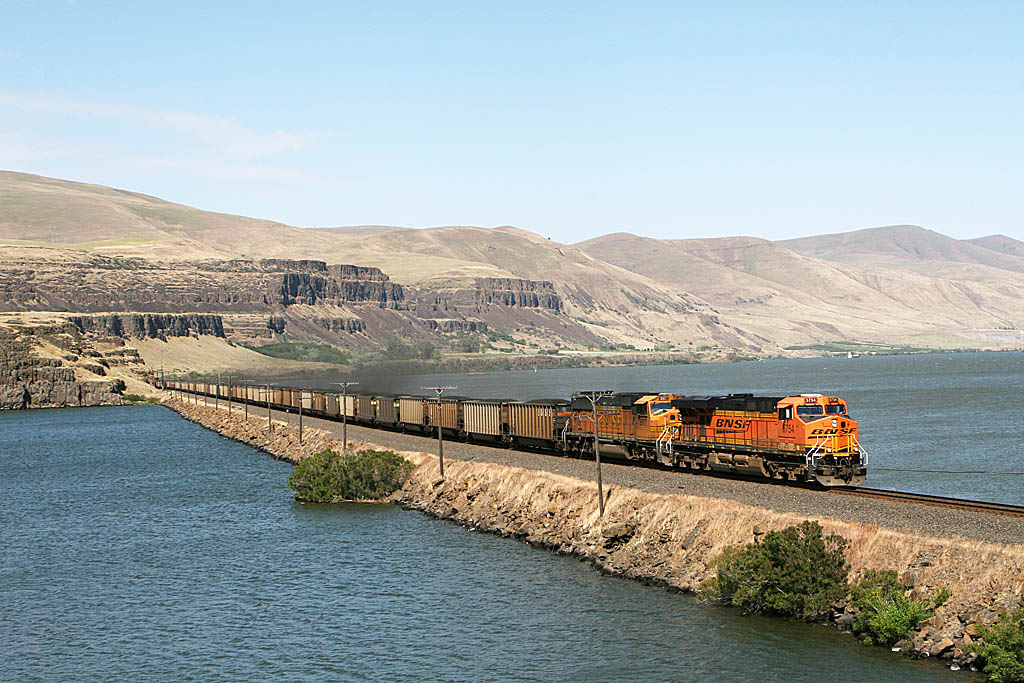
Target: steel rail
x=937, y=501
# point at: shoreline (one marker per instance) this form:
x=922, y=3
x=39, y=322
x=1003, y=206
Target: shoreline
x=670, y=540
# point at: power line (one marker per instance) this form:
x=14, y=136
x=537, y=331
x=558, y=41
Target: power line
x=898, y=469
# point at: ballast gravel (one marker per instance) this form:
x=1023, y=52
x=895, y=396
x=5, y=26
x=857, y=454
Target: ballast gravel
x=903, y=516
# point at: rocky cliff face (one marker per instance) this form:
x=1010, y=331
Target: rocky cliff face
x=270, y=300
x=149, y=325
x=27, y=381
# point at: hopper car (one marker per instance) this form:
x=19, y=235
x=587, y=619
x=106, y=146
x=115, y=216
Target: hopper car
x=802, y=438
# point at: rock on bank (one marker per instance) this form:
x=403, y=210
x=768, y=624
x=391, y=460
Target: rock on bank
x=672, y=540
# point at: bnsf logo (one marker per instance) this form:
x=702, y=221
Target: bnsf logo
x=822, y=431
x=731, y=423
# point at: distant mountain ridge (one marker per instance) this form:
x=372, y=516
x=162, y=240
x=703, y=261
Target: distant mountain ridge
x=895, y=284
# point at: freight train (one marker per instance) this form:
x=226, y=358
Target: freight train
x=805, y=438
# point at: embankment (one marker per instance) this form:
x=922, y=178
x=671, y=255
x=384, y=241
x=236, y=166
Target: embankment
x=672, y=540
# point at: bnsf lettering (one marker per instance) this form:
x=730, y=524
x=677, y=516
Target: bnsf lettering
x=731, y=423
x=822, y=431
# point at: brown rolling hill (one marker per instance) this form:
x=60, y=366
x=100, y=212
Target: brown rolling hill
x=897, y=284
x=841, y=291
x=1000, y=243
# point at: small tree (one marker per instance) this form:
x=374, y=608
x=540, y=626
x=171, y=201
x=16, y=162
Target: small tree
x=368, y=475
x=1002, y=647
x=797, y=572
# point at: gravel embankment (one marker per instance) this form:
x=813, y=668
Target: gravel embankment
x=923, y=519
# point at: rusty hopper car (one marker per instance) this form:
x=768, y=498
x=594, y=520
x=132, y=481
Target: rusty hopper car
x=410, y=412
x=386, y=410
x=538, y=423
x=364, y=408
x=450, y=417
x=485, y=420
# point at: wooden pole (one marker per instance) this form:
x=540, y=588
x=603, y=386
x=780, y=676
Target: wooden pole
x=270, y=425
x=440, y=436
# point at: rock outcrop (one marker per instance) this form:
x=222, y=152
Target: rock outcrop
x=27, y=381
x=149, y=325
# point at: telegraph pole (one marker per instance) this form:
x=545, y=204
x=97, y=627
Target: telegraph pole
x=229, y=394
x=270, y=425
x=594, y=397
x=300, y=415
x=440, y=438
x=344, y=416
x=216, y=393
x=245, y=399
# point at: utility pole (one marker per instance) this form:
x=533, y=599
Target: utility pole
x=300, y=415
x=594, y=397
x=270, y=425
x=229, y=394
x=440, y=438
x=245, y=399
x=344, y=416
x=216, y=393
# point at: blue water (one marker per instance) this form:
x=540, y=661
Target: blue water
x=138, y=546
x=955, y=418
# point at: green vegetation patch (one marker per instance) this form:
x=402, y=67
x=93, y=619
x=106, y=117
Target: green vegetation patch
x=797, y=572
x=859, y=347
x=304, y=351
x=137, y=398
x=328, y=477
x=885, y=614
x=1002, y=647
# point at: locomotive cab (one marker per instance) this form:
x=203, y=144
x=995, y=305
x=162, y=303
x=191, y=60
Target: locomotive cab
x=822, y=427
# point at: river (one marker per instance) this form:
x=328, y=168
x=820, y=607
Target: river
x=139, y=546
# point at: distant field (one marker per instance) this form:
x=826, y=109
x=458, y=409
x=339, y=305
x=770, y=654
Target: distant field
x=858, y=347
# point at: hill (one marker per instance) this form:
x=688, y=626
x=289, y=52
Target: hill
x=835, y=286
x=1000, y=243
x=896, y=284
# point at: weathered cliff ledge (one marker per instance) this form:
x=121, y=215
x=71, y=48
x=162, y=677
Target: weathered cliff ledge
x=671, y=540
x=73, y=379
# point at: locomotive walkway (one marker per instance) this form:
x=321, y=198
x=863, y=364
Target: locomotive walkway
x=893, y=514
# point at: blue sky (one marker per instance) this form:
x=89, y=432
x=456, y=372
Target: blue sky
x=569, y=119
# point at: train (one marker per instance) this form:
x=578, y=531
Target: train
x=806, y=438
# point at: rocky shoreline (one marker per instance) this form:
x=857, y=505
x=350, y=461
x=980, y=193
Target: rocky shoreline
x=672, y=540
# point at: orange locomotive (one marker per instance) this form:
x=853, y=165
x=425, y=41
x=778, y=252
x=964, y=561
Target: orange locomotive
x=797, y=438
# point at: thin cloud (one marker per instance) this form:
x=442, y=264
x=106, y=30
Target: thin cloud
x=223, y=148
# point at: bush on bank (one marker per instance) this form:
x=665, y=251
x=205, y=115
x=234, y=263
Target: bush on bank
x=1002, y=648
x=885, y=614
x=797, y=572
x=328, y=477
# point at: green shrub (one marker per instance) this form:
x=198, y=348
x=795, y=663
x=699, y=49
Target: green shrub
x=303, y=351
x=797, y=572
x=137, y=398
x=1002, y=647
x=328, y=477
x=886, y=614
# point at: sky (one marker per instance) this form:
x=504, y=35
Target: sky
x=569, y=119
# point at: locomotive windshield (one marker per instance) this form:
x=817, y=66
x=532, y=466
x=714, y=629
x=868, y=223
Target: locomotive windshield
x=660, y=408
x=809, y=413
x=835, y=409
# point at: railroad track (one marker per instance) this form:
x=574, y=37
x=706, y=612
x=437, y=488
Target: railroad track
x=937, y=501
